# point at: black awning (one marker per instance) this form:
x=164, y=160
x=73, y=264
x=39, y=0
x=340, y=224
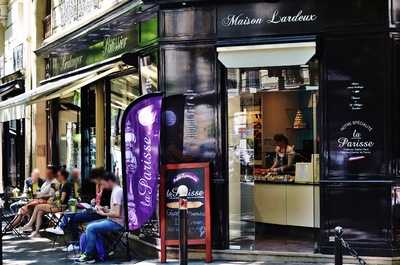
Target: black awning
x=12, y=88
x=119, y=20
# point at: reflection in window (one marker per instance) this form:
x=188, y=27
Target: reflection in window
x=191, y=98
x=69, y=131
x=124, y=90
x=148, y=74
x=12, y=160
x=190, y=71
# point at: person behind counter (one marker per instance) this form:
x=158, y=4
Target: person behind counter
x=284, y=158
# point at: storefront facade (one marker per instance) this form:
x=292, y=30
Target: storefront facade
x=234, y=74
x=332, y=66
x=110, y=66
x=91, y=75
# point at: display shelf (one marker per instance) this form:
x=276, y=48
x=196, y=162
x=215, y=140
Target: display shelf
x=295, y=89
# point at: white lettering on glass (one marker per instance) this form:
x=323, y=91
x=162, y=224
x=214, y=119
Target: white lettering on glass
x=299, y=17
x=240, y=20
x=243, y=20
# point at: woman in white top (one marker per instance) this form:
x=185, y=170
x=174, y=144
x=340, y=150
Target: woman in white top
x=46, y=194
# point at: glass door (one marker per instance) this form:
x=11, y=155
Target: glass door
x=273, y=151
x=244, y=126
x=13, y=157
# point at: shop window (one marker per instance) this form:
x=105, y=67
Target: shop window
x=149, y=73
x=273, y=151
x=356, y=110
x=124, y=90
x=13, y=158
x=70, y=131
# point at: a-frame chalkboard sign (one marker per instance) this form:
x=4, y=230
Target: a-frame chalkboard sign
x=196, y=176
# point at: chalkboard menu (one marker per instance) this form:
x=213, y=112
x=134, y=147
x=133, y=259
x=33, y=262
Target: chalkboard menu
x=196, y=177
x=193, y=178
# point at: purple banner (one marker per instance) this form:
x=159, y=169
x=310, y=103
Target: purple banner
x=141, y=139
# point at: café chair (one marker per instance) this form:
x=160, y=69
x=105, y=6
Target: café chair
x=7, y=217
x=54, y=218
x=120, y=238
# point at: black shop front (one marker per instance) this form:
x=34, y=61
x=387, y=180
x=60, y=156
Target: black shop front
x=296, y=106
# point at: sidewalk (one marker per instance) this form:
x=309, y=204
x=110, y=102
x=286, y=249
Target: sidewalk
x=155, y=262
x=39, y=251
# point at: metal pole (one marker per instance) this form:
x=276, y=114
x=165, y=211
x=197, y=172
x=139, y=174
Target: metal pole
x=1, y=230
x=338, y=246
x=183, y=240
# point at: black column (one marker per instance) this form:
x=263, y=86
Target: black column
x=189, y=80
x=85, y=134
x=20, y=152
x=53, y=132
x=6, y=155
x=107, y=122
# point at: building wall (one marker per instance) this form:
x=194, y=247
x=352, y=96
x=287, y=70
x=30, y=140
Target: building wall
x=38, y=66
x=15, y=36
x=67, y=15
x=15, y=53
x=3, y=21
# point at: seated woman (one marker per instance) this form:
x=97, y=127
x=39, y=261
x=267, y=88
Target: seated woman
x=58, y=205
x=46, y=192
x=285, y=155
x=73, y=220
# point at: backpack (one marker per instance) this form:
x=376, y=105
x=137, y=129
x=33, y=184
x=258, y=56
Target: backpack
x=100, y=248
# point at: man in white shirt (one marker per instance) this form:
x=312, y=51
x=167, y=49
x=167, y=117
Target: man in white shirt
x=115, y=218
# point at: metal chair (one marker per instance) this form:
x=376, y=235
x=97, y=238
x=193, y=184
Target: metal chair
x=7, y=216
x=120, y=235
x=54, y=218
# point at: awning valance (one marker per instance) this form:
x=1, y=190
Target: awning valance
x=271, y=55
x=54, y=89
x=12, y=113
